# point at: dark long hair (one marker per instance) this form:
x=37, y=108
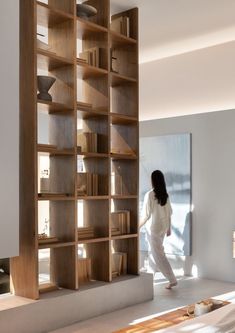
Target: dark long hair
x=159, y=187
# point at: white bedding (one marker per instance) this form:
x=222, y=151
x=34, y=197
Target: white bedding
x=218, y=321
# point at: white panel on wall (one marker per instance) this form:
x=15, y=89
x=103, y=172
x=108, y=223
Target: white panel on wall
x=9, y=128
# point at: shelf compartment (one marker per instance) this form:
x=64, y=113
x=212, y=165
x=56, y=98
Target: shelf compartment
x=95, y=91
x=93, y=214
x=98, y=22
x=47, y=60
x=85, y=71
x=98, y=255
x=57, y=267
x=53, y=107
x=132, y=14
x=130, y=205
x=97, y=142
x=48, y=16
x=129, y=247
x=117, y=79
x=124, y=100
x=124, y=139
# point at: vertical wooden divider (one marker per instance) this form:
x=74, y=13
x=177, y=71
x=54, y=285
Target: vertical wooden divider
x=24, y=269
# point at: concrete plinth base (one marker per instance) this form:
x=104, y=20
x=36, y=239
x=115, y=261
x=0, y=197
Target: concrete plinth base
x=62, y=308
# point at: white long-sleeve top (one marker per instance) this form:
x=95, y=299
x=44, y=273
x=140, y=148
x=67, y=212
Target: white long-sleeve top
x=161, y=215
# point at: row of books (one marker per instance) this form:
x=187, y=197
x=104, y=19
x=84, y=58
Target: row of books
x=90, y=56
x=121, y=25
x=86, y=232
x=87, y=183
x=119, y=263
x=120, y=222
x=88, y=141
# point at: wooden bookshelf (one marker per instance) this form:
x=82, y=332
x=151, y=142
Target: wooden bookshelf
x=91, y=98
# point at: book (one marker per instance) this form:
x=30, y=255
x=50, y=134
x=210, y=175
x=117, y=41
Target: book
x=87, y=184
x=121, y=25
x=120, y=222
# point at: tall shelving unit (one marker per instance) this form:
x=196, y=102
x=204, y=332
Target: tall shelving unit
x=93, y=99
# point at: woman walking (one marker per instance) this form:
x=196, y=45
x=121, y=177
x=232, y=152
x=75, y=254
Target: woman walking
x=157, y=205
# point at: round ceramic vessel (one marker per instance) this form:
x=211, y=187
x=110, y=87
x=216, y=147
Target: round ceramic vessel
x=85, y=11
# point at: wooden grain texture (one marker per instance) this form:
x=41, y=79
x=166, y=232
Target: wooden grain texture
x=99, y=254
x=130, y=247
x=96, y=214
x=103, y=7
x=63, y=267
x=63, y=5
x=24, y=269
x=62, y=217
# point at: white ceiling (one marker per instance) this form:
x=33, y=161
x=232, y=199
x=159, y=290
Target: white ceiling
x=172, y=27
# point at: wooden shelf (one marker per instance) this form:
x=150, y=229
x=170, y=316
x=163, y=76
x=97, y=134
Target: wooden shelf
x=47, y=149
x=127, y=236
x=119, y=119
x=55, y=197
x=93, y=155
x=55, y=245
x=119, y=40
x=94, y=197
x=91, y=113
x=123, y=197
x=116, y=156
x=117, y=79
x=48, y=60
x=48, y=16
x=86, y=71
x=93, y=240
x=47, y=287
x=85, y=28
x=53, y=107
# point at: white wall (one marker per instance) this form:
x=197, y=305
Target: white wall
x=213, y=189
x=9, y=128
x=190, y=83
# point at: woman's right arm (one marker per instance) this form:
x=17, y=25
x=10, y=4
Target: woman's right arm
x=146, y=211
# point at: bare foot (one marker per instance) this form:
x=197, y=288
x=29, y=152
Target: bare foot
x=170, y=285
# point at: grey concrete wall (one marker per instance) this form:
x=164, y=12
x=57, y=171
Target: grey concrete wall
x=213, y=189
x=9, y=128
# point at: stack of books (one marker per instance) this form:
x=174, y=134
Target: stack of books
x=121, y=25
x=91, y=56
x=84, y=106
x=87, y=183
x=119, y=263
x=120, y=222
x=88, y=141
x=86, y=232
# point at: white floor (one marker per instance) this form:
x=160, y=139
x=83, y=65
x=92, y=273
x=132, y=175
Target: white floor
x=189, y=290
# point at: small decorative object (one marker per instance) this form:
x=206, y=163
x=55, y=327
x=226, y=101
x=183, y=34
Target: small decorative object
x=200, y=308
x=44, y=84
x=86, y=11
